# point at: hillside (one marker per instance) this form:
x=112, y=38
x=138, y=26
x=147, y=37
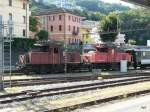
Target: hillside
x=86, y=5
x=99, y=6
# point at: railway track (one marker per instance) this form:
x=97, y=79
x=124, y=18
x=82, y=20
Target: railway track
x=30, y=94
x=48, y=80
x=41, y=81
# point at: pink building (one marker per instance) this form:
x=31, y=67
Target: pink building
x=61, y=24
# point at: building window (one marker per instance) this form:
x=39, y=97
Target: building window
x=52, y=29
x=24, y=6
x=60, y=17
x=24, y=19
x=10, y=2
x=10, y=16
x=53, y=18
x=69, y=17
x=69, y=40
x=76, y=40
x=79, y=20
x=49, y=18
x=74, y=28
x=69, y=28
x=24, y=32
x=72, y=40
x=77, y=29
x=72, y=18
x=60, y=28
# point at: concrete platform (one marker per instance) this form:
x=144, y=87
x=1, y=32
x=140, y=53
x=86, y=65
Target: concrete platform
x=136, y=104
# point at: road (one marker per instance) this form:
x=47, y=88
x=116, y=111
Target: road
x=140, y=104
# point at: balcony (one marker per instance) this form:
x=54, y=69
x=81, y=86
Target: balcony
x=75, y=32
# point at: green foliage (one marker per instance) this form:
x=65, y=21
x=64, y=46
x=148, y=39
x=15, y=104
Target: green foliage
x=131, y=42
x=108, y=28
x=89, y=5
x=22, y=44
x=42, y=35
x=33, y=24
x=91, y=9
x=133, y=20
x=99, y=6
x=95, y=16
x=35, y=6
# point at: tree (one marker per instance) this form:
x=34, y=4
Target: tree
x=42, y=35
x=23, y=44
x=33, y=24
x=133, y=20
x=96, y=16
x=108, y=28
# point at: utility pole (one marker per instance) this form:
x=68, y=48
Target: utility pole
x=1, y=54
x=8, y=46
x=65, y=45
x=26, y=7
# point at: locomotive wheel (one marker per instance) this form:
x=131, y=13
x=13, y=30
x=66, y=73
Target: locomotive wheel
x=142, y=67
x=43, y=69
x=90, y=68
x=26, y=72
x=37, y=72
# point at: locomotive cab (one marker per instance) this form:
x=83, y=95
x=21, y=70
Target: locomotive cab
x=43, y=58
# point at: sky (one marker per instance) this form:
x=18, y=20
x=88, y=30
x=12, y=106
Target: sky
x=118, y=1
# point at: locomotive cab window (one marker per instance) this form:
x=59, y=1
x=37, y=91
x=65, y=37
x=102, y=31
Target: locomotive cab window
x=146, y=55
x=50, y=50
x=55, y=50
x=40, y=49
x=44, y=49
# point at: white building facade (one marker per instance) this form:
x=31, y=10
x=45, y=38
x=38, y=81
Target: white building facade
x=15, y=17
x=92, y=26
x=120, y=39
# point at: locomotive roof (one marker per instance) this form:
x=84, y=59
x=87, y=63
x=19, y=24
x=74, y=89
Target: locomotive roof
x=142, y=49
x=139, y=48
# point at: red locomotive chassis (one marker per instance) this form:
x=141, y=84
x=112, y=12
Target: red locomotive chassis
x=53, y=55
x=50, y=58
x=106, y=57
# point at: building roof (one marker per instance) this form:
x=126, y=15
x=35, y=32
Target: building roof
x=87, y=24
x=53, y=11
